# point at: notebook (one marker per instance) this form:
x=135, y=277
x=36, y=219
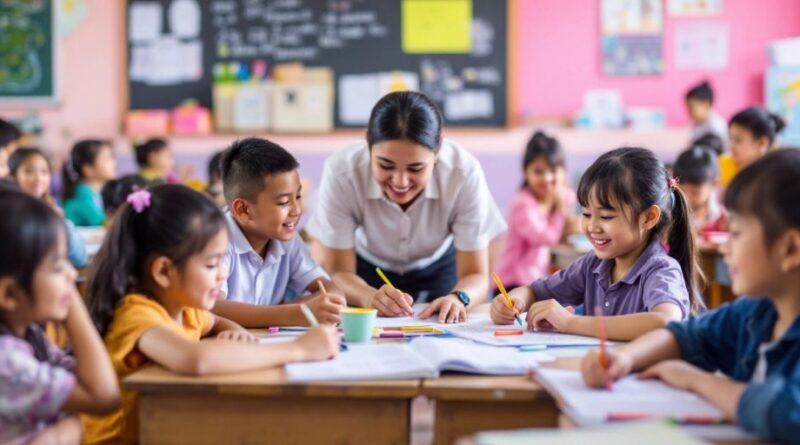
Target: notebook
x=656, y=433
x=591, y=406
x=480, y=328
x=423, y=357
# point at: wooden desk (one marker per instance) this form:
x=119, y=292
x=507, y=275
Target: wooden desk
x=466, y=404
x=262, y=407
x=716, y=292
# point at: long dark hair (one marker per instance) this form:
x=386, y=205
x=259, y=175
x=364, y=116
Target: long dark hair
x=178, y=223
x=635, y=178
x=83, y=153
x=545, y=147
x=29, y=229
x=759, y=122
x=405, y=115
x=768, y=189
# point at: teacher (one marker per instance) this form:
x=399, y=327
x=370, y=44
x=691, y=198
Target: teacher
x=412, y=204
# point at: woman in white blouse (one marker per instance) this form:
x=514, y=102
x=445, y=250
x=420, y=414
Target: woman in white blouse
x=412, y=204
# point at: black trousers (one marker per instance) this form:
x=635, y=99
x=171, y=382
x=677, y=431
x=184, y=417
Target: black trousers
x=423, y=284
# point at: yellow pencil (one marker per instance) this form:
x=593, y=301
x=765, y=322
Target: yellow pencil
x=509, y=303
x=383, y=277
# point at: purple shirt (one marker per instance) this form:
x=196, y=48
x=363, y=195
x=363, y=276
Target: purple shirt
x=655, y=278
x=34, y=384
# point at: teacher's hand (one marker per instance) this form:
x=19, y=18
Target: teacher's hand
x=390, y=302
x=449, y=307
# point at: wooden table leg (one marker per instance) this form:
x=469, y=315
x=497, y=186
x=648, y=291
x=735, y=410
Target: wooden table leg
x=200, y=419
x=460, y=418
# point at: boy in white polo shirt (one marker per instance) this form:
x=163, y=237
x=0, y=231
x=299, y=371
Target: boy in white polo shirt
x=267, y=260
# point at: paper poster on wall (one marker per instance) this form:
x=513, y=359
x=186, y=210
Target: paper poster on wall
x=144, y=22
x=358, y=93
x=436, y=26
x=631, y=37
x=72, y=14
x=783, y=97
x=701, y=45
x=468, y=104
x=690, y=8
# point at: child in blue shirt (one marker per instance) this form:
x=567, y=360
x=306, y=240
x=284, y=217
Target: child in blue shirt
x=268, y=263
x=755, y=341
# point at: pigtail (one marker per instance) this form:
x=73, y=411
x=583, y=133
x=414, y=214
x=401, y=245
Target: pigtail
x=113, y=269
x=683, y=247
x=777, y=122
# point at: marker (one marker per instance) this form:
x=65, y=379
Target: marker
x=532, y=348
x=604, y=363
x=508, y=332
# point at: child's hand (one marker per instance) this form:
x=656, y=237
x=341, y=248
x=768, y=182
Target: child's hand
x=326, y=307
x=677, y=373
x=449, y=307
x=390, y=302
x=549, y=314
x=319, y=343
x=620, y=364
x=501, y=313
x=241, y=336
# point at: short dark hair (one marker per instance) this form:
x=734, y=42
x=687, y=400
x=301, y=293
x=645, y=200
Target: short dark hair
x=712, y=142
x=542, y=146
x=8, y=133
x=702, y=91
x=247, y=163
x=20, y=155
x=759, y=122
x=148, y=147
x=405, y=115
x=115, y=192
x=696, y=165
x=768, y=189
x=215, y=167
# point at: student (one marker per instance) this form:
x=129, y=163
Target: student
x=745, y=356
x=413, y=204
x=712, y=142
x=267, y=261
x=214, y=186
x=752, y=133
x=30, y=169
x=90, y=165
x=116, y=191
x=629, y=205
x=158, y=273
x=538, y=214
x=41, y=387
x=10, y=136
x=697, y=171
x=700, y=105
x=155, y=161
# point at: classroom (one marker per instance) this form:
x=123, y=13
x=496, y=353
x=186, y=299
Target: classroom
x=488, y=222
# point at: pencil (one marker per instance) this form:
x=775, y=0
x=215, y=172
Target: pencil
x=601, y=330
x=312, y=320
x=389, y=283
x=509, y=303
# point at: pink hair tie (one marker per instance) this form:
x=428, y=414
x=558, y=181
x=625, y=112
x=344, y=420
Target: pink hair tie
x=673, y=182
x=139, y=200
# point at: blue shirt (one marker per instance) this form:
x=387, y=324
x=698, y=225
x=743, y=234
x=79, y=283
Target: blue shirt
x=655, y=278
x=727, y=340
x=285, y=271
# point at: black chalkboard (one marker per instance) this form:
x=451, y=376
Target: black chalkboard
x=27, y=52
x=351, y=37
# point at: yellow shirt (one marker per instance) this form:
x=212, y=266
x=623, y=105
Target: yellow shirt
x=135, y=315
x=728, y=168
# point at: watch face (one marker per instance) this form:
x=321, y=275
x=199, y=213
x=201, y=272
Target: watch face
x=462, y=296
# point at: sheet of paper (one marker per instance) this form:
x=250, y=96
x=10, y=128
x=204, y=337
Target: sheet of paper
x=482, y=330
x=657, y=433
x=184, y=19
x=689, y=8
x=369, y=362
x=630, y=395
x=701, y=45
x=357, y=95
x=144, y=22
x=468, y=104
x=436, y=26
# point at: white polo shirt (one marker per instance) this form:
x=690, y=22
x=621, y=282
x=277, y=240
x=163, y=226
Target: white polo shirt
x=455, y=207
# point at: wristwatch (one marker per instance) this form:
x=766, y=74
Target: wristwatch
x=462, y=296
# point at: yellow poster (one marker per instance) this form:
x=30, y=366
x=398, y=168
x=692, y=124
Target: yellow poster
x=437, y=26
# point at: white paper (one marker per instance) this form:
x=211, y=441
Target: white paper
x=251, y=108
x=468, y=104
x=144, y=22
x=358, y=93
x=621, y=17
x=630, y=395
x=701, y=45
x=191, y=54
x=684, y=8
x=604, y=108
x=141, y=62
x=481, y=329
x=656, y=433
x=184, y=19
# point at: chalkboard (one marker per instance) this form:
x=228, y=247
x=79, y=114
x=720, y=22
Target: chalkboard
x=172, y=56
x=27, y=52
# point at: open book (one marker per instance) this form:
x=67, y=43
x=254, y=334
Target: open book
x=630, y=398
x=422, y=358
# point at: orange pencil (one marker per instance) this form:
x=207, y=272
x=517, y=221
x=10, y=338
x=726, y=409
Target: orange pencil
x=604, y=363
x=509, y=303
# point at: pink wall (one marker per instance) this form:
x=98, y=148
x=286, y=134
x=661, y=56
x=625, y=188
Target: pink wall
x=559, y=58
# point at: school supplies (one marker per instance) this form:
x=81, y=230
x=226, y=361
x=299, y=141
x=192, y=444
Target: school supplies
x=388, y=283
x=357, y=324
x=509, y=303
x=312, y=320
x=589, y=406
x=502, y=332
x=532, y=348
x=604, y=361
x=421, y=358
x=479, y=328
x=656, y=433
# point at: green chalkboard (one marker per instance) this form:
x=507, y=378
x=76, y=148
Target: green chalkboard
x=27, y=51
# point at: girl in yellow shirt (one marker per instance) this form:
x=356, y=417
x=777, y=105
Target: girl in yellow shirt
x=751, y=133
x=156, y=277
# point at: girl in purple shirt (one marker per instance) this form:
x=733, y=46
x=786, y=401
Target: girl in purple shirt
x=39, y=383
x=629, y=206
